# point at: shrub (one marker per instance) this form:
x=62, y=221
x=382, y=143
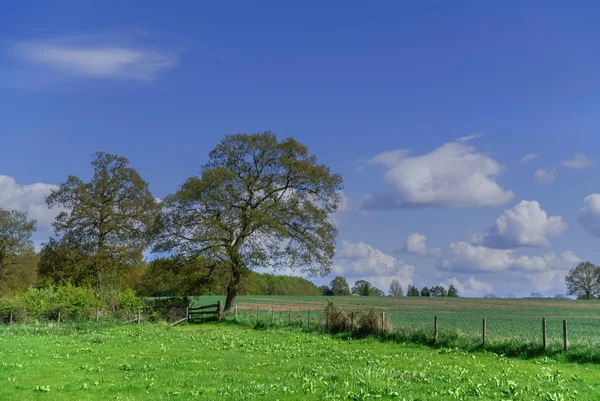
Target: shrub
x=336, y=320
x=41, y=303
x=18, y=308
x=371, y=322
x=169, y=309
x=129, y=303
x=76, y=302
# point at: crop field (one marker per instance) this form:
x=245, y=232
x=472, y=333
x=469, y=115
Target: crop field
x=513, y=325
x=234, y=362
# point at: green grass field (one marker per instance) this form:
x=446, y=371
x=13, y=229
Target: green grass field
x=513, y=325
x=232, y=362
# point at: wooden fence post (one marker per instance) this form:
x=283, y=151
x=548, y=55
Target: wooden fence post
x=565, y=339
x=483, y=333
x=435, y=329
x=10, y=319
x=187, y=313
x=308, y=319
x=290, y=318
x=544, y=344
x=257, y=315
x=273, y=316
x=58, y=320
x=97, y=314
x=236, y=313
x=139, y=316
x=351, y=320
x=219, y=310
x=382, y=320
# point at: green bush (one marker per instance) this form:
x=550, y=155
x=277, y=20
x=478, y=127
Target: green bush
x=371, y=322
x=336, y=320
x=76, y=303
x=17, y=306
x=169, y=309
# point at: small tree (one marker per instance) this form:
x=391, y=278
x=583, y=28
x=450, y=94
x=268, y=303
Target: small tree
x=425, y=292
x=583, y=280
x=490, y=295
x=438, y=291
x=412, y=291
x=396, y=289
x=366, y=289
x=339, y=286
x=325, y=290
x=452, y=291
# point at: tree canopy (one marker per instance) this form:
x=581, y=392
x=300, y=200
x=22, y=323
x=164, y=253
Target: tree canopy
x=366, y=289
x=104, y=221
x=258, y=202
x=396, y=289
x=339, y=286
x=17, y=255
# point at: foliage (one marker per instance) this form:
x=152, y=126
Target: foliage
x=412, y=291
x=396, y=289
x=169, y=309
x=452, y=291
x=339, y=286
x=584, y=280
x=438, y=291
x=336, y=320
x=372, y=322
x=258, y=202
x=326, y=291
x=366, y=289
x=425, y=292
x=103, y=222
x=16, y=250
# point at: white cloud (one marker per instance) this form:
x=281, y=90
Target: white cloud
x=416, y=243
x=543, y=272
x=524, y=225
x=529, y=157
x=579, y=161
x=545, y=176
x=453, y=175
x=589, y=214
x=95, y=57
x=468, y=288
x=360, y=261
x=469, y=137
x=30, y=199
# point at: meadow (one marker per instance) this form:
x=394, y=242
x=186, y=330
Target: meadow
x=228, y=361
x=514, y=326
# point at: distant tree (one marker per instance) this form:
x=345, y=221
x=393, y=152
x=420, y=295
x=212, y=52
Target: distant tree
x=396, y=289
x=425, y=292
x=510, y=295
x=536, y=295
x=16, y=247
x=339, y=286
x=583, y=280
x=326, y=290
x=560, y=296
x=107, y=218
x=364, y=288
x=412, y=291
x=490, y=295
x=258, y=202
x=452, y=291
x=438, y=291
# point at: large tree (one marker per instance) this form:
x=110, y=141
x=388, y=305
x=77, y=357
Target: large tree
x=258, y=202
x=339, y=286
x=16, y=247
x=104, y=222
x=452, y=291
x=396, y=289
x=584, y=280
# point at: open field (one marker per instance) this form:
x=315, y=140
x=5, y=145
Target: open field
x=229, y=362
x=512, y=324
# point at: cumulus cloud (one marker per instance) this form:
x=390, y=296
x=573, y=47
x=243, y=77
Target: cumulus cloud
x=468, y=138
x=360, y=261
x=543, y=271
x=468, y=288
x=94, y=57
x=529, y=157
x=579, y=160
x=525, y=225
x=30, y=199
x=416, y=243
x=453, y=175
x=589, y=214
x=545, y=176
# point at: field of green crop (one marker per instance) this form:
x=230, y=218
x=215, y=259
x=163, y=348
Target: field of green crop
x=513, y=325
x=232, y=362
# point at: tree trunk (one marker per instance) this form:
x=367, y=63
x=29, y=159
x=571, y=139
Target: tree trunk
x=233, y=288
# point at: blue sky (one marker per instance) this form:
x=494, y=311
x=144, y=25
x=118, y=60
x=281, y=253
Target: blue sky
x=161, y=84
